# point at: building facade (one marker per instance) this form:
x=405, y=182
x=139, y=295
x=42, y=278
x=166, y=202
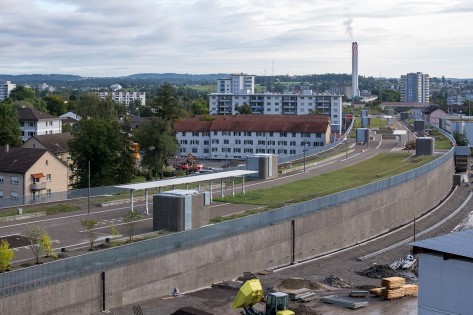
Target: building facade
x=5, y=89
x=415, y=87
x=33, y=122
x=235, y=137
x=237, y=84
x=125, y=97
x=32, y=174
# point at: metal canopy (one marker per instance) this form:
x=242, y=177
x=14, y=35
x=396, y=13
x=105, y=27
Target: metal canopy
x=185, y=180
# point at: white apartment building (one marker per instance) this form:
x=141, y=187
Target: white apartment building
x=237, y=84
x=239, y=89
x=125, y=97
x=33, y=122
x=5, y=89
x=281, y=104
x=235, y=137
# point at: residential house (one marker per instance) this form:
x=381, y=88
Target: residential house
x=58, y=144
x=34, y=122
x=30, y=175
x=433, y=113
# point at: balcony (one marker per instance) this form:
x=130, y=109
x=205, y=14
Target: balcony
x=38, y=186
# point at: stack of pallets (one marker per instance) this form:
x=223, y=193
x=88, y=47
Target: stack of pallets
x=394, y=288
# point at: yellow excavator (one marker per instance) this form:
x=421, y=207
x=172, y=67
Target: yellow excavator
x=251, y=292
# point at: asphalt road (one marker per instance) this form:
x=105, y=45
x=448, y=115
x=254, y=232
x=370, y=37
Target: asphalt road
x=66, y=230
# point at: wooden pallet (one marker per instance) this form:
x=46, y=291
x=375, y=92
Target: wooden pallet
x=390, y=294
x=393, y=282
x=376, y=291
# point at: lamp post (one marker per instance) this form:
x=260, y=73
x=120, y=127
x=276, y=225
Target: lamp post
x=346, y=147
x=304, y=155
x=88, y=191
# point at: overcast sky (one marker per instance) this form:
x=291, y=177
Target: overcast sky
x=114, y=38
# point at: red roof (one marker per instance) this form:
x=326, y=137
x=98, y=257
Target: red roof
x=257, y=123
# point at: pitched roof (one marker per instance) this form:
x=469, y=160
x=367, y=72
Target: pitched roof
x=460, y=243
x=258, y=123
x=31, y=114
x=56, y=142
x=19, y=160
x=431, y=108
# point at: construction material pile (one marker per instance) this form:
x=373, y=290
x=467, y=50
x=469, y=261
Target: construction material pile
x=394, y=287
x=336, y=282
x=378, y=272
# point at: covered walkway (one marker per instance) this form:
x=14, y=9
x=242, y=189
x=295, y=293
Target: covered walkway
x=159, y=184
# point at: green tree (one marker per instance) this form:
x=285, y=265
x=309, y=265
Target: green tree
x=130, y=219
x=165, y=104
x=47, y=245
x=115, y=234
x=157, y=141
x=10, y=132
x=460, y=139
x=91, y=106
x=21, y=93
x=36, y=245
x=243, y=109
x=89, y=225
x=6, y=256
x=107, y=148
x=55, y=104
x=199, y=107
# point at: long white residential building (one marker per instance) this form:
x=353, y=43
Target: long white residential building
x=239, y=89
x=5, y=89
x=280, y=104
x=125, y=97
x=235, y=137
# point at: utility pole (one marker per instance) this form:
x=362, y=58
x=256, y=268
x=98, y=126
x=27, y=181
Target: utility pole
x=88, y=192
x=304, y=156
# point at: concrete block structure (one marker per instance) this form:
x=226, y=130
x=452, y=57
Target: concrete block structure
x=180, y=210
x=265, y=164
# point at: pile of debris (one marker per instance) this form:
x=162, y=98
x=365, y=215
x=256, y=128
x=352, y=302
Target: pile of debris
x=301, y=309
x=298, y=283
x=190, y=311
x=378, y=272
x=336, y=282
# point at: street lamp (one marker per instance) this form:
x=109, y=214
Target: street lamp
x=304, y=155
x=226, y=157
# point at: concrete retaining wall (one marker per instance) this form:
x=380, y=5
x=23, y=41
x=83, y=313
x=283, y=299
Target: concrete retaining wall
x=196, y=267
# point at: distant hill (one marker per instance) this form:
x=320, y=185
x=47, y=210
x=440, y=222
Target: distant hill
x=39, y=78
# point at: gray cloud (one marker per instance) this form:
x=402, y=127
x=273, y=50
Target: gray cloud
x=348, y=27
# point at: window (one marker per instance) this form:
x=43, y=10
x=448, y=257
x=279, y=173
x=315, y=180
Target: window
x=226, y=133
x=1, y=194
x=194, y=150
x=31, y=124
x=226, y=141
x=283, y=134
x=214, y=149
x=205, y=134
x=259, y=150
x=206, y=150
x=271, y=142
x=182, y=150
x=14, y=180
x=237, y=133
x=248, y=142
x=282, y=142
x=271, y=151
x=194, y=141
x=1, y=179
x=260, y=134
x=46, y=163
x=48, y=192
x=271, y=134
x=292, y=143
x=248, y=150
x=206, y=142
x=13, y=195
x=294, y=134
x=247, y=134
x=195, y=134
x=215, y=141
x=183, y=133
x=183, y=141
x=261, y=142
x=238, y=141
x=236, y=150
x=292, y=152
x=215, y=133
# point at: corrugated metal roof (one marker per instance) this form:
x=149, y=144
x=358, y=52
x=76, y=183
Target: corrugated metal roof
x=185, y=180
x=459, y=243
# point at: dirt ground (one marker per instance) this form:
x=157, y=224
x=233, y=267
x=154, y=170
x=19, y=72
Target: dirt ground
x=335, y=274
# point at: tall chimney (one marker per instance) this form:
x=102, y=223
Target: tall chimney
x=354, y=70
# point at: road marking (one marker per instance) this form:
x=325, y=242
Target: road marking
x=107, y=227
x=380, y=141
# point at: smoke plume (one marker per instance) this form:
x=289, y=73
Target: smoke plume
x=348, y=27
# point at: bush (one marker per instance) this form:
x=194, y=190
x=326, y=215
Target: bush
x=6, y=256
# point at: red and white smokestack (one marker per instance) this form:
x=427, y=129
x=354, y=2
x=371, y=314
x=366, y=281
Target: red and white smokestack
x=354, y=70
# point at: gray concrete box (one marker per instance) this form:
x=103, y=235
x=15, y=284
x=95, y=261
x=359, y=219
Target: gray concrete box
x=265, y=164
x=425, y=146
x=404, y=116
x=180, y=210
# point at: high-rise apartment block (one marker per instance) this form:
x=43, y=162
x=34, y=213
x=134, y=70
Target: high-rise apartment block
x=125, y=97
x=5, y=89
x=239, y=90
x=415, y=88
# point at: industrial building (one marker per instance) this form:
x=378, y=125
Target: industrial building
x=445, y=273
x=354, y=71
x=415, y=87
x=237, y=136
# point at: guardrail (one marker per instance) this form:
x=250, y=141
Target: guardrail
x=30, y=278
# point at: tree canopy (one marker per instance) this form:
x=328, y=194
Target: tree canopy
x=103, y=143
x=91, y=106
x=55, y=104
x=10, y=132
x=157, y=141
x=243, y=109
x=165, y=104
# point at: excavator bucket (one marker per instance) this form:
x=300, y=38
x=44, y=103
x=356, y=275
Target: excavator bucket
x=250, y=293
